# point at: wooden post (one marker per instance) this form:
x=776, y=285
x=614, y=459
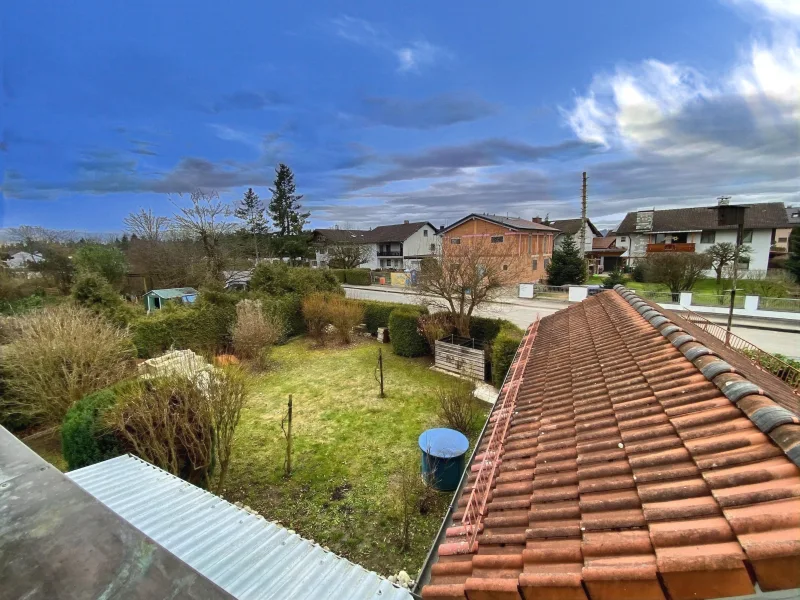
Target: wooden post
x=380, y=367
x=582, y=236
x=289, y=439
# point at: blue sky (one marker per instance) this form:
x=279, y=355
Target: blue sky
x=389, y=111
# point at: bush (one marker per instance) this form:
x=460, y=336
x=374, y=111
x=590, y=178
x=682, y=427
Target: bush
x=434, y=327
x=504, y=347
x=614, y=278
x=61, y=355
x=404, y=333
x=458, y=408
x=85, y=438
x=93, y=291
x=340, y=274
x=344, y=314
x=277, y=279
x=358, y=276
x=376, y=314
x=315, y=313
x=104, y=260
x=288, y=308
x=639, y=272
x=255, y=331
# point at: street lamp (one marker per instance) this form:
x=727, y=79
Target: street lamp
x=727, y=215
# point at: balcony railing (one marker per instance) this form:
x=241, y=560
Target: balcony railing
x=382, y=253
x=676, y=247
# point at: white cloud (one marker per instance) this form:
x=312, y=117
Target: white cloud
x=775, y=9
x=411, y=56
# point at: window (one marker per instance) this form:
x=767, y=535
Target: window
x=744, y=263
x=707, y=237
x=535, y=264
x=623, y=239
x=424, y=233
x=530, y=244
x=505, y=267
x=748, y=236
x=781, y=239
x=433, y=247
x=497, y=239
x=546, y=262
x=455, y=241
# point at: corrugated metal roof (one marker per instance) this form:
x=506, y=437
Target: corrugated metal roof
x=168, y=293
x=244, y=554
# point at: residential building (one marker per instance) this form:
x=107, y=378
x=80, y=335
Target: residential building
x=527, y=244
x=573, y=227
x=604, y=255
x=390, y=247
x=630, y=455
x=696, y=230
x=780, y=239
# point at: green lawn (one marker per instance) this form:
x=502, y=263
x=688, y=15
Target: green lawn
x=703, y=286
x=347, y=442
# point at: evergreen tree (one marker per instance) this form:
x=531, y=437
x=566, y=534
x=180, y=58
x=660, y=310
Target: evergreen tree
x=251, y=210
x=793, y=264
x=567, y=265
x=284, y=208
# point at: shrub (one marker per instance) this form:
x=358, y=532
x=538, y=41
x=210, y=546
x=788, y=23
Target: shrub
x=288, y=308
x=344, y=314
x=485, y=329
x=458, y=408
x=340, y=274
x=434, y=327
x=404, y=333
x=376, y=314
x=504, y=346
x=93, y=291
x=315, y=313
x=639, y=272
x=105, y=260
x=614, y=278
x=85, y=439
x=277, y=279
x=358, y=276
x=61, y=355
x=255, y=331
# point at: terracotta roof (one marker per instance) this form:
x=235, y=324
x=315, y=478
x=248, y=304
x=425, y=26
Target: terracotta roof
x=510, y=222
x=573, y=226
x=382, y=234
x=636, y=464
x=769, y=215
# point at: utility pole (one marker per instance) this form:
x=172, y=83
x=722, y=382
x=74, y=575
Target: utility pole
x=732, y=215
x=583, y=218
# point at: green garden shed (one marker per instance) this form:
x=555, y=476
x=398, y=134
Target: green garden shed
x=155, y=299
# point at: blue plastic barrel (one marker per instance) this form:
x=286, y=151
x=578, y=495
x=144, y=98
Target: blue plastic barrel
x=443, y=457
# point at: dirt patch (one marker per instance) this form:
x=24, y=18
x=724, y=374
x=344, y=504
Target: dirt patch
x=340, y=491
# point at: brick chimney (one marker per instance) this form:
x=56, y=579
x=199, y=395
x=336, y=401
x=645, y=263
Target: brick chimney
x=537, y=220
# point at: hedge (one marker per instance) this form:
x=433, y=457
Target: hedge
x=358, y=276
x=376, y=314
x=83, y=438
x=504, y=346
x=340, y=274
x=485, y=329
x=404, y=332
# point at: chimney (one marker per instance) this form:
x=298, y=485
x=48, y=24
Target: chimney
x=537, y=220
x=405, y=222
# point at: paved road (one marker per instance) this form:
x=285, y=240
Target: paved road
x=783, y=342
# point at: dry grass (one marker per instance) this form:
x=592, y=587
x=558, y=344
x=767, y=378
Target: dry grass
x=59, y=355
x=315, y=314
x=344, y=315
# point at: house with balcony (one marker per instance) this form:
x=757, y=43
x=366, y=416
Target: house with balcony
x=696, y=229
x=594, y=259
x=389, y=247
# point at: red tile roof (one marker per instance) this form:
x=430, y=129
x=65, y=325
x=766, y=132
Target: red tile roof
x=636, y=464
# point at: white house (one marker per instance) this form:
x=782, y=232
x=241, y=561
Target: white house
x=696, y=230
x=397, y=247
x=573, y=227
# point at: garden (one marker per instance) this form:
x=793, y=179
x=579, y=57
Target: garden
x=85, y=380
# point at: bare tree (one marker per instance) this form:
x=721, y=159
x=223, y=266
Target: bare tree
x=37, y=237
x=465, y=275
x=205, y=220
x=146, y=226
x=722, y=254
x=226, y=395
x=679, y=271
x=347, y=255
